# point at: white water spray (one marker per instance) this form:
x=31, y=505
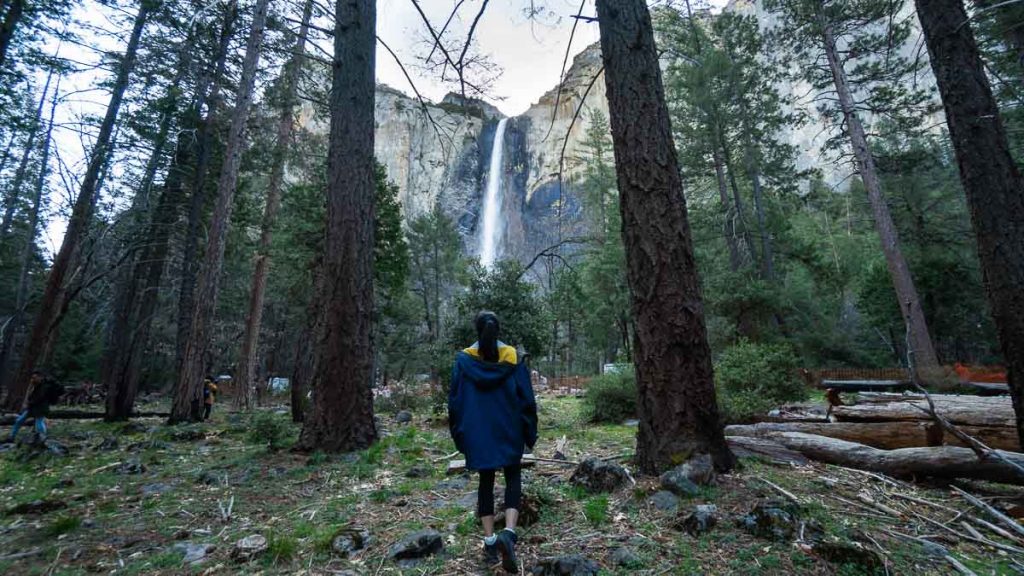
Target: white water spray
x=491, y=227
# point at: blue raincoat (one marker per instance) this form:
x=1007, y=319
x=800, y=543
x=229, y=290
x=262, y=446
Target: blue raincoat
x=492, y=413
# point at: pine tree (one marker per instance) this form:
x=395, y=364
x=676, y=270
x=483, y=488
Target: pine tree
x=188, y=396
x=990, y=177
x=53, y=303
x=285, y=128
x=849, y=56
x=675, y=384
x=341, y=418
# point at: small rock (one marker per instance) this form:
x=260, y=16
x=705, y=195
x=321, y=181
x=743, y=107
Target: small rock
x=772, y=520
x=632, y=422
x=108, y=444
x=181, y=534
x=599, y=476
x=626, y=558
x=89, y=523
x=684, y=480
x=349, y=541
x=131, y=467
x=701, y=520
x=849, y=553
x=416, y=546
x=157, y=488
x=79, y=435
x=467, y=500
x=571, y=565
x=419, y=471
x=403, y=417
x=65, y=483
x=248, y=547
x=665, y=501
x=134, y=428
x=454, y=483
x=277, y=471
x=208, y=478
x=194, y=553
x=56, y=448
x=37, y=507
x=188, y=435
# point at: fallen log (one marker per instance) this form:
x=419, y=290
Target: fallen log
x=938, y=462
x=866, y=385
x=746, y=446
x=887, y=435
x=995, y=411
x=80, y=415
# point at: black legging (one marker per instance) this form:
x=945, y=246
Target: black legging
x=513, y=490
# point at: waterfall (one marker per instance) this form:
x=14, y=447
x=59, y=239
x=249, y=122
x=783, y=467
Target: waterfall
x=491, y=225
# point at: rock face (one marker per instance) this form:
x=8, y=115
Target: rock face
x=441, y=160
x=438, y=153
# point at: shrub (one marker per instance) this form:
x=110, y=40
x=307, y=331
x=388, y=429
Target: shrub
x=611, y=398
x=753, y=378
x=268, y=429
x=281, y=548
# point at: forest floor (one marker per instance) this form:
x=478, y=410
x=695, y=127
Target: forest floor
x=134, y=499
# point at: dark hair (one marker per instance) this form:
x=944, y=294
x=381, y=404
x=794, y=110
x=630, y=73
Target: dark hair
x=487, y=329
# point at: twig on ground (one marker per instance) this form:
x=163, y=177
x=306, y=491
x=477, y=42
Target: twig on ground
x=996, y=514
x=789, y=495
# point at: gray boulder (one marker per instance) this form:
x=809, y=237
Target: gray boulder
x=599, y=476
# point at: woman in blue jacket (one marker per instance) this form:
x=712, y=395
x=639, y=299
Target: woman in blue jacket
x=493, y=415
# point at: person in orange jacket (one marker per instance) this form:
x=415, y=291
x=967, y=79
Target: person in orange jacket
x=209, y=395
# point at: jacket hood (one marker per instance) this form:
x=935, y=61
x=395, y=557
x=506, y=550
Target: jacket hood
x=484, y=375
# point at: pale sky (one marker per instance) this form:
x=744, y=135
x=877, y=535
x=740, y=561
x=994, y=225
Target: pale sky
x=529, y=51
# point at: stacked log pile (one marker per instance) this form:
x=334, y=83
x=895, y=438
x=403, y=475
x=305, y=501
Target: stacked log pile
x=895, y=434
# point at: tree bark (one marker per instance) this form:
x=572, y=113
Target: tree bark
x=11, y=198
x=126, y=339
x=887, y=435
x=10, y=24
x=305, y=352
x=204, y=146
x=81, y=216
x=188, y=397
x=991, y=179
x=937, y=462
x=341, y=418
x=285, y=126
x=675, y=383
x=10, y=331
x=906, y=293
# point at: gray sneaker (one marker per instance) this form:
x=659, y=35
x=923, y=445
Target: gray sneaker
x=491, y=555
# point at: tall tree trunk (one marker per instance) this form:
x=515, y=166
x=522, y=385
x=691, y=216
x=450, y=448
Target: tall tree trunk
x=188, y=397
x=124, y=344
x=906, y=293
x=204, y=145
x=767, y=251
x=990, y=177
x=10, y=23
x=81, y=216
x=13, y=326
x=675, y=383
x=341, y=418
x=728, y=226
x=285, y=126
x=741, y=211
x=11, y=198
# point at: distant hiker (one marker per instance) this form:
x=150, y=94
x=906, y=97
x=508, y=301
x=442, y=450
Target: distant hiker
x=209, y=395
x=492, y=415
x=42, y=392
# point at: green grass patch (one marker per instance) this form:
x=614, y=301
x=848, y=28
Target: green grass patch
x=63, y=525
x=596, y=509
